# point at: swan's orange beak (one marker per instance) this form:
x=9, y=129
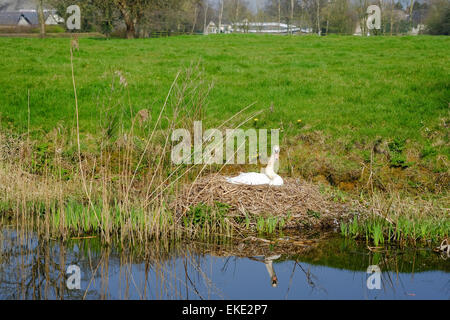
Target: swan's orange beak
x=274, y=281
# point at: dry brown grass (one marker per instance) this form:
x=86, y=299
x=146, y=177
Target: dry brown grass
x=297, y=200
x=395, y=205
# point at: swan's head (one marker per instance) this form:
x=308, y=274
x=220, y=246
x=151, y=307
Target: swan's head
x=276, y=152
x=274, y=281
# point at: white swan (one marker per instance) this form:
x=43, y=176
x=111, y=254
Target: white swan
x=268, y=177
x=270, y=270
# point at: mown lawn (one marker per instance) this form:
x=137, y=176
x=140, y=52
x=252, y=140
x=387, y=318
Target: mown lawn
x=354, y=89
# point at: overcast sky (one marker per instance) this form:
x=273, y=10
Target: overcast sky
x=12, y=5
x=252, y=3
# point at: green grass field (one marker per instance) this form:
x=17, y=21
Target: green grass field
x=362, y=87
x=353, y=90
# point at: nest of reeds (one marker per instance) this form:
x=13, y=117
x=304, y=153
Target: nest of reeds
x=300, y=203
x=253, y=246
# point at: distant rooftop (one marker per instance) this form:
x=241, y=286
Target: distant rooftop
x=13, y=17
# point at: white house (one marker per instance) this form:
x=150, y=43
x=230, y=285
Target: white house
x=225, y=28
x=52, y=18
x=23, y=21
x=418, y=30
x=211, y=28
x=358, y=31
x=268, y=27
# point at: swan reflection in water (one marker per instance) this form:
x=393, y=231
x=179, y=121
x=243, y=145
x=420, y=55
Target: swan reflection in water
x=268, y=261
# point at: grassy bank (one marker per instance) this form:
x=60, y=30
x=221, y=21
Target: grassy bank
x=365, y=118
x=353, y=96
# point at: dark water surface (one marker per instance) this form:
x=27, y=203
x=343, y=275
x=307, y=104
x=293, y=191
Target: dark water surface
x=335, y=268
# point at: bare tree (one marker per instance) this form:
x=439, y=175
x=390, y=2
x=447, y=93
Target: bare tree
x=40, y=11
x=206, y=16
x=318, y=17
x=220, y=14
x=279, y=14
x=132, y=11
x=362, y=16
x=195, y=18
x=292, y=10
x=392, y=16
x=411, y=6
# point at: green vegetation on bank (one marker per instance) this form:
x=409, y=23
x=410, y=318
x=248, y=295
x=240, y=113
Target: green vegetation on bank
x=353, y=90
x=366, y=115
x=383, y=232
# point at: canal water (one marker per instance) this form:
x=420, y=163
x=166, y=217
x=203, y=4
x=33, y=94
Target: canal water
x=288, y=267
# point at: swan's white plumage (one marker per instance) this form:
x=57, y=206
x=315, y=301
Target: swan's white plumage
x=277, y=181
x=268, y=176
x=252, y=178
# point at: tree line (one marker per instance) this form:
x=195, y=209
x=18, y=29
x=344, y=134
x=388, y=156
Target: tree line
x=138, y=18
x=343, y=16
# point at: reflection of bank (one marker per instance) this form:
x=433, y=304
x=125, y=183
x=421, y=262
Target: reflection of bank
x=268, y=261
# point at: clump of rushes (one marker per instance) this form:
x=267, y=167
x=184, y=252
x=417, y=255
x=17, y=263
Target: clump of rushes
x=206, y=222
x=399, y=218
x=269, y=225
x=381, y=231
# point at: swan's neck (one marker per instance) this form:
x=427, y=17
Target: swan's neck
x=269, y=171
x=269, y=267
